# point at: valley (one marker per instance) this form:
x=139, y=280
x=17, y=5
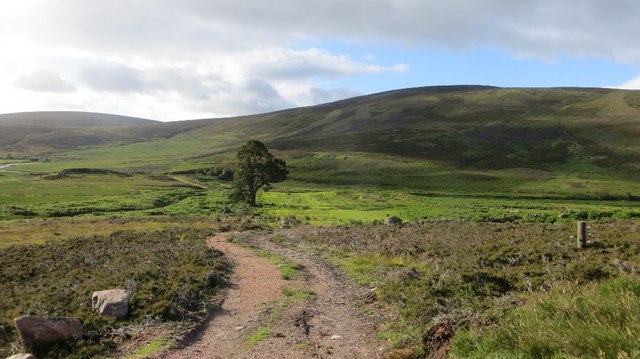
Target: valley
x=489, y=183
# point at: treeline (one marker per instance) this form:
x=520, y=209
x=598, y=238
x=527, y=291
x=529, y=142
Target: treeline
x=209, y=173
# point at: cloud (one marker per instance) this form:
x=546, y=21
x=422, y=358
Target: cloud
x=185, y=81
x=112, y=78
x=45, y=81
x=205, y=58
x=633, y=84
x=178, y=27
x=536, y=28
x=319, y=95
x=245, y=97
x=257, y=95
x=313, y=62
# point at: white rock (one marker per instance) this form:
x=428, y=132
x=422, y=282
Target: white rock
x=111, y=303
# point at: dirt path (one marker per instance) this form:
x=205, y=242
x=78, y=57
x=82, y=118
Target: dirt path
x=331, y=323
x=255, y=281
x=3, y=168
x=182, y=180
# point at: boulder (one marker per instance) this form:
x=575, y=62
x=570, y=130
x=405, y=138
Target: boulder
x=42, y=332
x=22, y=356
x=394, y=220
x=111, y=303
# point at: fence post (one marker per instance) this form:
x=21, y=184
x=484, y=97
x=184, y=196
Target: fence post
x=582, y=234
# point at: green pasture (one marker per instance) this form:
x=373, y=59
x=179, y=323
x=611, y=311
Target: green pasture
x=325, y=188
x=26, y=195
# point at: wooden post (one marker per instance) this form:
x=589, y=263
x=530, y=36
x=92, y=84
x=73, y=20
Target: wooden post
x=582, y=234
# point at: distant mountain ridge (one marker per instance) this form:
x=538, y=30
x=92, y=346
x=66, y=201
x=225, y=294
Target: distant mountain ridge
x=469, y=126
x=70, y=119
x=463, y=126
x=38, y=133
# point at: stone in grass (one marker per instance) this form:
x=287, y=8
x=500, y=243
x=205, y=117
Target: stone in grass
x=42, y=332
x=394, y=220
x=111, y=303
x=22, y=356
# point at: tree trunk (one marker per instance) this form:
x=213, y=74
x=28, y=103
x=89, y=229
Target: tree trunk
x=252, y=198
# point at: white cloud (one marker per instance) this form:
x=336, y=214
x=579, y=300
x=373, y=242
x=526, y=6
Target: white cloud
x=315, y=95
x=176, y=59
x=44, y=81
x=112, y=78
x=290, y=64
x=633, y=84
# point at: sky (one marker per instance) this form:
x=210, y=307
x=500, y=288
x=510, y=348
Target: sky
x=187, y=59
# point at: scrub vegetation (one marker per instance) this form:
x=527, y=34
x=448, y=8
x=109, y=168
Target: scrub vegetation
x=171, y=274
x=512, y=285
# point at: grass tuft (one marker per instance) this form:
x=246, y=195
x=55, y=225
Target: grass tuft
x=151, y=348
x=594, y=321
x=290, y=270
x=260, y=335
x=302, y=294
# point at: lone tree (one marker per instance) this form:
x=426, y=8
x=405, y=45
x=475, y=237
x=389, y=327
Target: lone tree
x=257, y=169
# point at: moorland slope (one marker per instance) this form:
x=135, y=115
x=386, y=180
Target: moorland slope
x=475, y=126
x=43, y=133
x=470, y=126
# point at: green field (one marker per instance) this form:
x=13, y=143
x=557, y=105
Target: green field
x=328, y=189
x=458, y=152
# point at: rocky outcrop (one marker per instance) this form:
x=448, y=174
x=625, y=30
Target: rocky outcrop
x=22, y=356
x=42, y=332
x=111, y=303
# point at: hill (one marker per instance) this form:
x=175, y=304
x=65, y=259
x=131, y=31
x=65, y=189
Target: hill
x=462, y=126
x=475, y=126
x=70, y=119
x=41, y=133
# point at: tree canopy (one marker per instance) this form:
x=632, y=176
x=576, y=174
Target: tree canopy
x=257, y=169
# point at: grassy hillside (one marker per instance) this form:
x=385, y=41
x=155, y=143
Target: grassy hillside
x=42, y=133
x=470, y=126
x=69, y=119
x=464, y=126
